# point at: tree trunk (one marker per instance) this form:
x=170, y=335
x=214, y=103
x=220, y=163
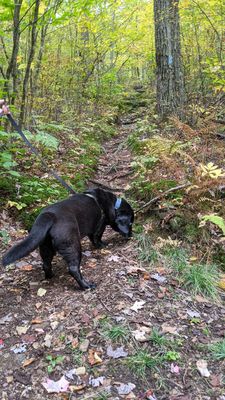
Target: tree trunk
x=170, y=81
x=29, y=62
x=12, y=66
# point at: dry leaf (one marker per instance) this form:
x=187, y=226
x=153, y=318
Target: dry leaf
x=28, y=362
x=138, y=305
x=22, y=329
x=202, y=368
x=27, y=267
x=41, y=292
x=56, y=386
x=93, y=357
x=37, y=321
x=169, y=329
x=117, y=353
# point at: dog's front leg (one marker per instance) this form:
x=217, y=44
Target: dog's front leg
x=96, y=237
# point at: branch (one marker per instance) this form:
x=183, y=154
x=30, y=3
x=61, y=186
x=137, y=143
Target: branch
x=155, y=199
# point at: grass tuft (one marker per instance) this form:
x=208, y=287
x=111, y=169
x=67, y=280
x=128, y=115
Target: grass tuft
x=115, y=333
x=202, y=279
x=141, y=362
x=218, y=350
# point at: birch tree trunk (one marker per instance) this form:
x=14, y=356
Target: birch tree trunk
x=170, y=80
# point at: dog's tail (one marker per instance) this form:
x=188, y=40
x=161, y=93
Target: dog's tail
x=37, y=234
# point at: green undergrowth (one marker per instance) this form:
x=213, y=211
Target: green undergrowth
x=196, y=276
x=72, y=151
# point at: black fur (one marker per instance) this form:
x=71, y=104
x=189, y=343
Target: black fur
x=60, y=227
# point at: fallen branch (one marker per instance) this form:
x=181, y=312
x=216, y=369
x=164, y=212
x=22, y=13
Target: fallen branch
x=155, y=199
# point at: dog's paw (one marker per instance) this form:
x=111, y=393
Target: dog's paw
x=89, y=285
x=100, y=245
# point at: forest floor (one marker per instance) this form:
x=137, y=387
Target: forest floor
x=138, y=335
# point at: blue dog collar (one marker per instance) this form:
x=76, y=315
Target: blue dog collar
x=118, y=203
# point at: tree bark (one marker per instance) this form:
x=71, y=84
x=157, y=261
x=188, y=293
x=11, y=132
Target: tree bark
x=12, y=66
x=29, y=62
x=170, y=80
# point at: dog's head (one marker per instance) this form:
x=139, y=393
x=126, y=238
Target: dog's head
x=118, y=211
x=124, y=218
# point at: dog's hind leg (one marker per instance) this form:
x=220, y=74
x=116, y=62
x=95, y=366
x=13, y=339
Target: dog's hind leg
x=71, y=252
x=47, y=253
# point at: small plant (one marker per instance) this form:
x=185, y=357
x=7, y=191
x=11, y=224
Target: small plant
x=53, y=361
x=5, y=237
x=115, y=332
x=158, y=339
x=172, y=356
x=218, y=350
x=141, y=361
x=202, y=279
x=102, y=396
x=77, y=357
x=146, y=251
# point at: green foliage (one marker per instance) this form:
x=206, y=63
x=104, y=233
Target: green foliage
x=218, y=350
x=172, y=356
x=215, y=219
x=115, y=333
x=53, y=361
x=158, y=340
x=146, y=251
x=141, y=362
x=202, y=279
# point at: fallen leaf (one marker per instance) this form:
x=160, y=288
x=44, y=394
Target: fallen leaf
x=41, y=292
x=56, y=386
x=5, y=319
x=193, y=314
x=216, y=380
x=175, y=369
x=96, y=382
x=221, y=283
x=70, y=374
x=80, y=371
x=28, y=362
x=22, y=329
x=140, y=334
x=37, y=321
x=54, y=324
x=77, y=388
x=19, y=348
x=201, y=299
x=1, y=344
x=113, y=258
x=149, y=395
x=27, y=267
x=169, y=329
x=48, y=340
x=135, y=270
x=159, y=278
x=125, y=388
x=93, y=357
x=117, y=353
x=202, y=368
x=138, y=305
x=84, y=345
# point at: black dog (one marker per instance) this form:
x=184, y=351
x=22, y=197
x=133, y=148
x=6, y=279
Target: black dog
x=60, y=227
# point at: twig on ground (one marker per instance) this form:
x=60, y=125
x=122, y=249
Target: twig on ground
x=155, y=199
x=121, y=176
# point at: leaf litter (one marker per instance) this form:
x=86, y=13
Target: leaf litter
x=61, y=318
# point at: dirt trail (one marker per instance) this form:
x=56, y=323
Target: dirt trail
x=76, y=325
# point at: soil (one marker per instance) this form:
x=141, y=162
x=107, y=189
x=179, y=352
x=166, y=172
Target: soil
x=63, y=321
